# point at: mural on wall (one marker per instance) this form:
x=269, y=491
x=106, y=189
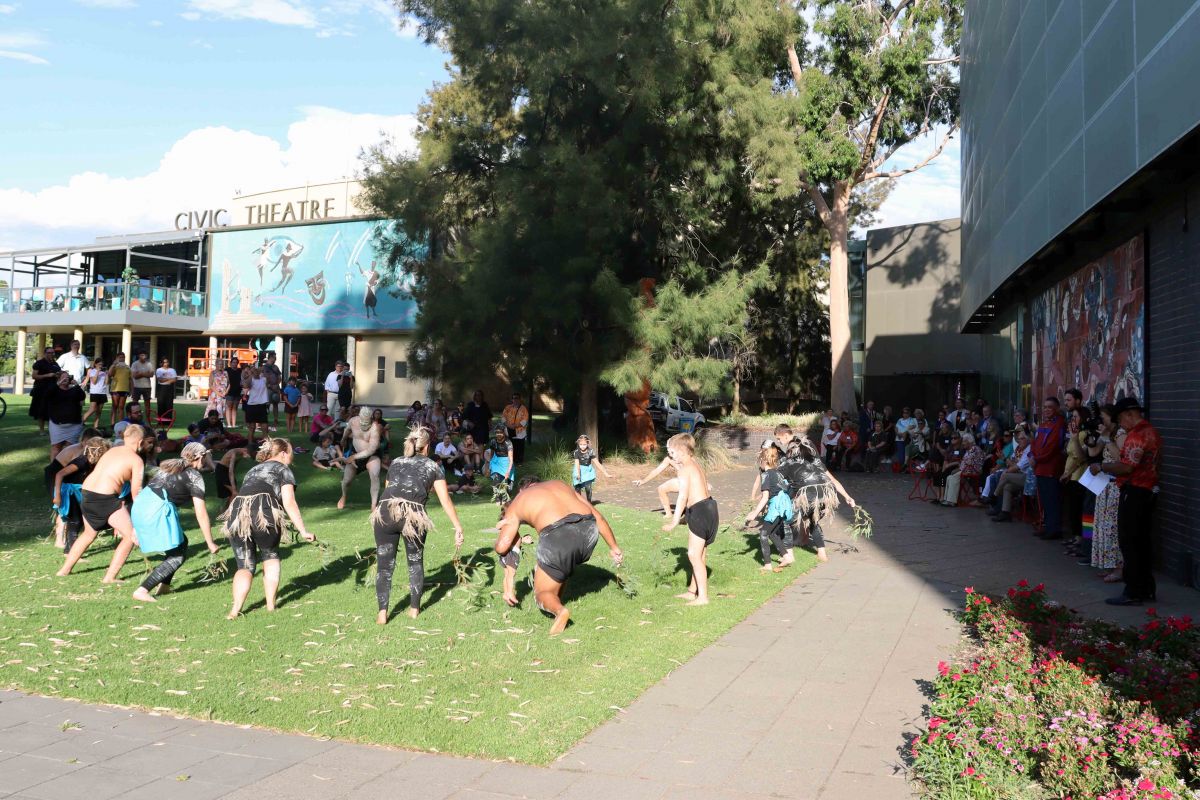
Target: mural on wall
x=307, y=278
x=1088, y=330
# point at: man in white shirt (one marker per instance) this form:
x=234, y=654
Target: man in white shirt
x=905, y=426
x=446, y=454
x=74, y=362
x=331, y=388
x=166, y=378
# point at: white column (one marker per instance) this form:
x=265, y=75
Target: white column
x=127, y=343
x=42, y=340
x=79, y=338
x=19, y=377
x=153, y=363
x=351, y=352
x=97, y=346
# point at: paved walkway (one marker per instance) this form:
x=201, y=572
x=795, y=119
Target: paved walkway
x=808, y=698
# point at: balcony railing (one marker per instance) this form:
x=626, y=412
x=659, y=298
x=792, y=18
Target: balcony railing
x=104, y=297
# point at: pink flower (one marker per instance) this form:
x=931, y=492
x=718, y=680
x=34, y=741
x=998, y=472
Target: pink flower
x=943, y=668
x=1145, y=785
x=935, y=723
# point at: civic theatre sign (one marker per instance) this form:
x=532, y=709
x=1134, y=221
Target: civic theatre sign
x=212, y=218
x=306, y=210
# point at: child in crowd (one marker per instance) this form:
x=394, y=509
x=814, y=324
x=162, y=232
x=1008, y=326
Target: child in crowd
x=327, y=455
x=304, y=412
x=471, y=455
x=291, y=404
x=702, y=518
x=583, y=473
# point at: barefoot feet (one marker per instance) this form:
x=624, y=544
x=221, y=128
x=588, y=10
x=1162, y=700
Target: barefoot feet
x=381, y=618
x=560, y=622
x=412, y=612
x=142, y=596
x=686, y=595
x=699, y=601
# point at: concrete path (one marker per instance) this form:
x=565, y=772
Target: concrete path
x=810, y=697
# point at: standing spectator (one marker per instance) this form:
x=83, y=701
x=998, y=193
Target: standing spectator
x=1106, y=553
x=218, y=388
x=1136, y=476
x=120, y=383
x=516, y=420
x=454, y=420
x=1073, y=469
x=959, y=416
x=477, y=419
x=436, y=420
x=166, y=378
x=45, y=380
x=257, y=401
x=983, y=433
x=291, y=403
x=64, y=407
x=333, y=382
x=866, y=417
x=274, y=377
x=1072, y=399
x=875, y=447
x=306, y=406
x=74, y=362
x=96, y=386
x=345, y=392
x=903, y=433
x=143, y=372
x=233, y=392
x=1048, y=461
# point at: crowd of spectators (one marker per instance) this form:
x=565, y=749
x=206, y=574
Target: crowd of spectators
x=1083, y=475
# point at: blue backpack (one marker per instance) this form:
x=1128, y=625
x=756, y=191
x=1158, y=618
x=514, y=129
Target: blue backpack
x=156, y=522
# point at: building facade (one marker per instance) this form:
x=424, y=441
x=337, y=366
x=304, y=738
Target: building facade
x=1080, y=157
x=296, y=272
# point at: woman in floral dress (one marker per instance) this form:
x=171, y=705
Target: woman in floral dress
x=218, y=388
x=1106, y=554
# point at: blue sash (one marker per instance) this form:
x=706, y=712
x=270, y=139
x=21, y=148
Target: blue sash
x=67, y=494
x=498, y=465
x=780, y=507
x=156, y=522
x=586, y=473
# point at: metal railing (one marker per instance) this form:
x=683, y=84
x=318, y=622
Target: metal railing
x=104, y=297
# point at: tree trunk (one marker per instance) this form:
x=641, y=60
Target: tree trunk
x=841, y=384
x=589, y=424
x=737, y=396
x=639, y=427
x=766, y=404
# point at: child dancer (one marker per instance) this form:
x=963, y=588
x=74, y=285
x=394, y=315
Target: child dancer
x=583, y=474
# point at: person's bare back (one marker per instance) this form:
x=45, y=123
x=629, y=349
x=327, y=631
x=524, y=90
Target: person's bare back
x=117, y=467
x=544, y=503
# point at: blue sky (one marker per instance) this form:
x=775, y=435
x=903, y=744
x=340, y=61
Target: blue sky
x=121, y=112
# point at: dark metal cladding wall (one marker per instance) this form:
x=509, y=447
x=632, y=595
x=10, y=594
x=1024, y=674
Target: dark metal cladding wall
x=1173, y=381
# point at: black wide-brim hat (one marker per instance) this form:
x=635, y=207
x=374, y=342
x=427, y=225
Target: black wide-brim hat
x=1128, y=404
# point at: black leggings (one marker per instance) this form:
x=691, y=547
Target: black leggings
x=772, y=533
x=387, y=542
x=172, y=560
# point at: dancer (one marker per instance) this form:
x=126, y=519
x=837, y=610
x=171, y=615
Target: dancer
x=369, y=299
x=290, y=252
x=363, y=434
x=815, y=491
x=64, y=477
x=568, y=527
x=225, y=473
x=666, y=488
x=499, y=459
x=583, y=473
x=775, y=507
x=703, y=520
x=255, y=520
x=264, y=258
x=176, y=482
x=119, y=469
x=401, y=514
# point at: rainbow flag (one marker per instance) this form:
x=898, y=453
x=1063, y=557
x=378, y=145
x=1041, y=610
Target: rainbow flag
x=1089, y=525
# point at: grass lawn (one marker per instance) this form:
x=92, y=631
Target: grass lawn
x=484, y=682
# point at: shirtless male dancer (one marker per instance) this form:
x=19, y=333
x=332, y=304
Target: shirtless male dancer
x=364, y=437
x=102, y=505
x=568, y=527
x=702, y=516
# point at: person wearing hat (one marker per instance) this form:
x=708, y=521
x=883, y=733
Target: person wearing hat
x=1136, y=475
x=177, y=482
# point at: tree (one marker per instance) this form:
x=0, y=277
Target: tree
x=576, y=152
x=870, y=77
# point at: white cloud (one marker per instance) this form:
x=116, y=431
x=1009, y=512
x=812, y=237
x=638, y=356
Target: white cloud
x=28, y=58
x=279, y=12
x=17, y=44
x=155, y=23
x=5, y=8
x=202, y=170
x=931, y=193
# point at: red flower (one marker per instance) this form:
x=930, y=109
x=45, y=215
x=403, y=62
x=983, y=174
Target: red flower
x=943, y=668
x=1022, y=583
x=935, y=723
x=969, y=771
x=1040, y=587
x=1145, y=785
x=969, y=589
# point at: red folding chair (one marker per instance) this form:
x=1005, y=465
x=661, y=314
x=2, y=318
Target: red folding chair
x=166, y=420
x=969, y=488
x=922, y=488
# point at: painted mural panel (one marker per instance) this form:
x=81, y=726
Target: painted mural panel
x=1089, y=330
x=306, y=278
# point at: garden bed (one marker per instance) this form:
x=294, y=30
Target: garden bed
x=1048, y=704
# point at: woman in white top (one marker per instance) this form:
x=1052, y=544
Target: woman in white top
x=95, y=383
x=257, y=401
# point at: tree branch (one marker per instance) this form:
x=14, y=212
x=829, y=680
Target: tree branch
x=794, y=63
x=896, y=173
x=818, y=199
x=932, y=61
x=868, y=147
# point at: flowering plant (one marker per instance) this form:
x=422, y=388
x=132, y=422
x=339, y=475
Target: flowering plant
x=1047, y=704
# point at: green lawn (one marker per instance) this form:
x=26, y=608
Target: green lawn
x=485, y=683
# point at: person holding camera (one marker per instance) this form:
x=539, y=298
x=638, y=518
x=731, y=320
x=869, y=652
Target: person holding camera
x=64, y=407
x=1077, y=462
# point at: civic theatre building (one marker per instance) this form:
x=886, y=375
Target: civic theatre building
x=1081, y=218
x=295, y=271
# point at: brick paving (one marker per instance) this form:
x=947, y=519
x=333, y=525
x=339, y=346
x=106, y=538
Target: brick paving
x=810, y=697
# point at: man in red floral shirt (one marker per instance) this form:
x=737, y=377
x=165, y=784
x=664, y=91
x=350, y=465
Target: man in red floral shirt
x=1136, y=475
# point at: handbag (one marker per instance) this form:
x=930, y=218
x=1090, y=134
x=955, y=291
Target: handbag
x=156, y=522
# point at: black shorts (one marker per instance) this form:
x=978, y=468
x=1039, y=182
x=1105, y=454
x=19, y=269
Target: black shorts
x=703, y=520
x=564, y=545
x=119, y=394
x=98, y=399
x=261, y=546
x=257, y=413
x=221, y=472
x=97, y=508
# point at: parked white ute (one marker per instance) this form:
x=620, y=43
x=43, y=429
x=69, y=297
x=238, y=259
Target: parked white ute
x=674, y=413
